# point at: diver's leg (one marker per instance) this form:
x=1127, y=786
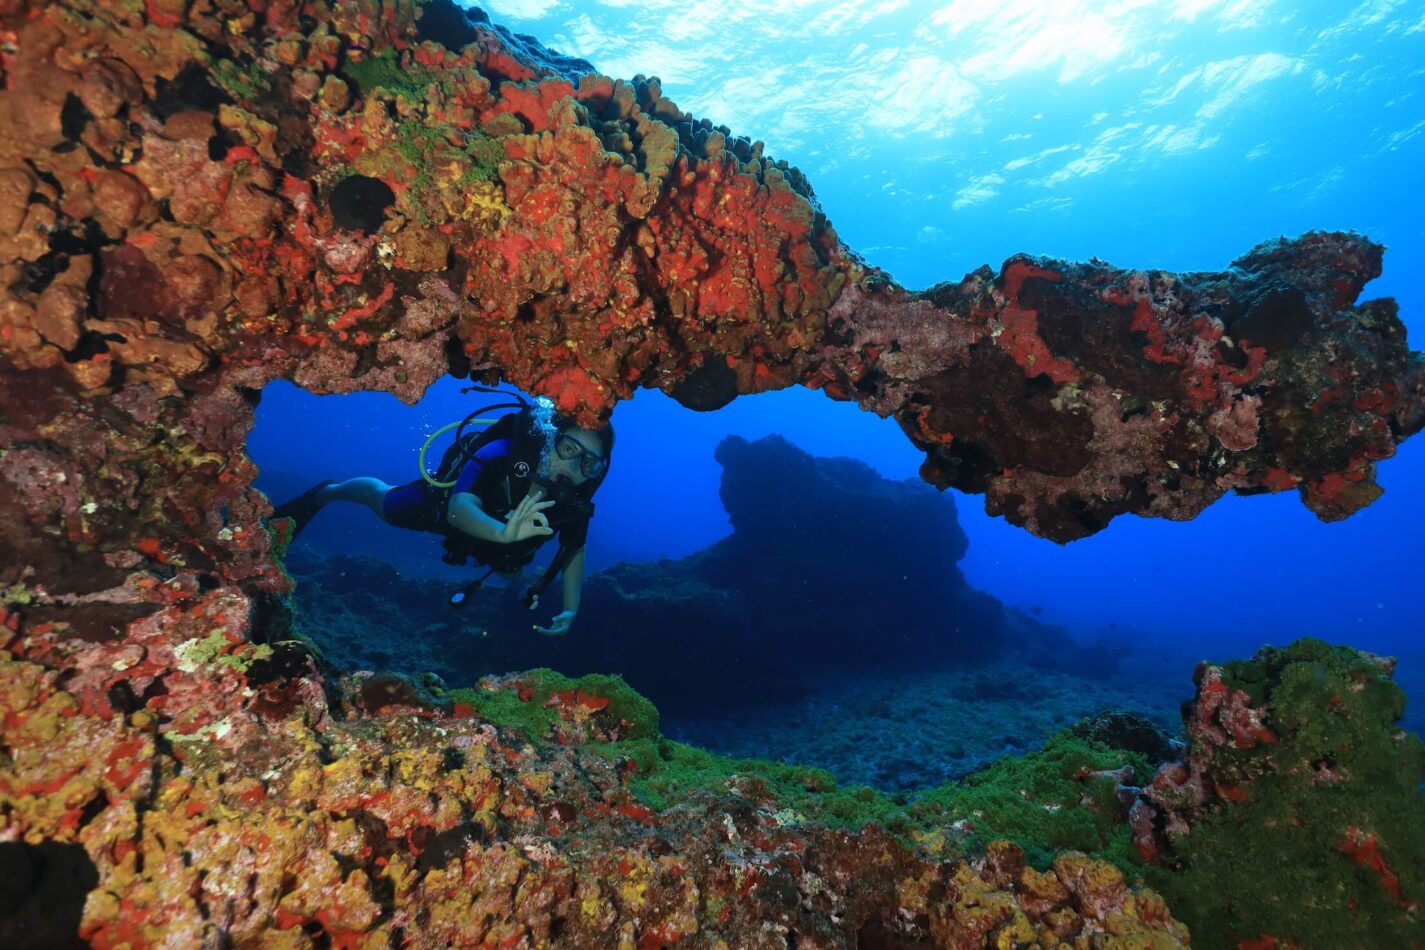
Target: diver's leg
x=370, y=492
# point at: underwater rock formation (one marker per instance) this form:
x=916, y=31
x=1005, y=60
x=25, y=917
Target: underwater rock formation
x=352, y=196
x=1298, y=753
x=220, y=801
x=765, y=613
x=196, y=199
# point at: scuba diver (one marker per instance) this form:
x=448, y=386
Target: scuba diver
x=497, y=496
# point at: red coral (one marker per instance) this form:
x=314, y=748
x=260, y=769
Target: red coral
x=1363, y=847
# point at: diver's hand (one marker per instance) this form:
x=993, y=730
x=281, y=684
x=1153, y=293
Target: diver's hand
x=526, y=521
x=558, y=626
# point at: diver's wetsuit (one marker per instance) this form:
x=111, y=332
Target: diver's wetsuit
x=412, y=506
x=500, y=481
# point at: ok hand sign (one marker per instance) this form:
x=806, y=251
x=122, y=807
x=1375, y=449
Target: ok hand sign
x=527, y=520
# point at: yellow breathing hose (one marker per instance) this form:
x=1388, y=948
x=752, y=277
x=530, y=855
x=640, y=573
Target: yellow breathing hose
x=436, y=434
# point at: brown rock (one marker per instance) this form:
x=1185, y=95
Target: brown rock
x=1041, y=892
x=305, y=84
x=190, y=124
x=335, y=95
x=129, y=284
x=288, y=50
x=171, y=356
x=92, y=373
x=255, y=295
x=195, y=282
x=1004, y=862
x=120, y=199
x=108, y=85
x=166, y=12
x=250, y=130
x=421, y=249
x=249, y=209
x=15, y=187
x=58, y=316
x=198, y=198
x=37, y=88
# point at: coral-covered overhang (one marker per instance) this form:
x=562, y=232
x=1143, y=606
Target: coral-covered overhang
x=369, y=196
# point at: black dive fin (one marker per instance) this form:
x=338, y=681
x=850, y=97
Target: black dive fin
x=302, y=508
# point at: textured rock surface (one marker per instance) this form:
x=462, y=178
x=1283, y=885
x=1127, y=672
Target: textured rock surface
x=196, y=199
x=219, y=799
x=1297, y=750
x=202, y=202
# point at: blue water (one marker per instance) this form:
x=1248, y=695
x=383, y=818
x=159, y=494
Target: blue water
x=940, y=137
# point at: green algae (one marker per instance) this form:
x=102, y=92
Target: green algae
x=243, y=83
x=1279, y=863
x=1046, y=802
x=421, y=146
x=214, y=648
x=418, y=153
x=194, y=653
x=534, y=718
x=486, y=154
x=15, y=594
x=384, y=71
x=1035, y=801
x=1327, y=849
x=668, y=772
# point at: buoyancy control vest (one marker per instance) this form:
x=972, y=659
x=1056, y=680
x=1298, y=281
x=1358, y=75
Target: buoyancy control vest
x=502, y=483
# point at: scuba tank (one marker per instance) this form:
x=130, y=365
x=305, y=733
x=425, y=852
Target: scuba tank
x=531, y=431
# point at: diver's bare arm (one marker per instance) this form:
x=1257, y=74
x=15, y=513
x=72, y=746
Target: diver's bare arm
x=573, y=582
x=465, y=514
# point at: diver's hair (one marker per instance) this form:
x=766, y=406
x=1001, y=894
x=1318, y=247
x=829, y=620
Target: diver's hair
x=607, y=435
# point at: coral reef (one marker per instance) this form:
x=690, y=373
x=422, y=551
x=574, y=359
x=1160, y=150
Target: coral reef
x=226, y=803
x=196, y=199
x=1297, y=753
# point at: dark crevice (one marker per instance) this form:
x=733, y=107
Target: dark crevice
x=449, y=25
x=365, y=362
x=445, y=847
x=91, y=343
x=317, y=933
x=42, y=892
x=709, y=387
x=190, y=89
x=296, y=162
x=73, y=117
x=220, y=143
x=456, y=357
x=123, y=699
x=38, y=274
x=64, y=243
x=93, y=809
x=359, y=203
